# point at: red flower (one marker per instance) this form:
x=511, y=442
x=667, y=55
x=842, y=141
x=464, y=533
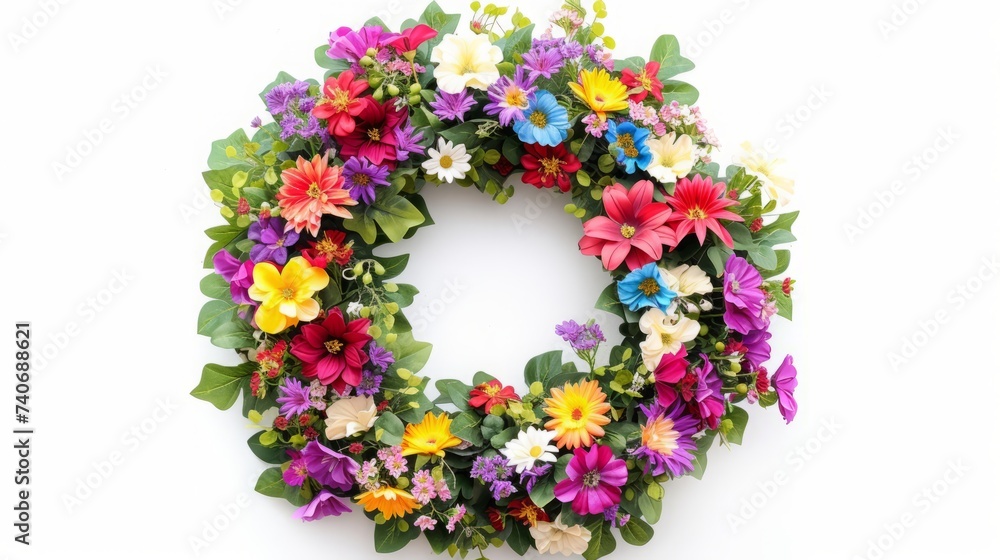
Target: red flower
x=281, y=422
x=503, y=166
x=410, y=39
x=547, y=166
x=634, y=230
x=671, y=369
x=495, y=517
x=270, y=361
x=329, y=248
x=374, y=134
x=356, y=448
x=525, y=511
x=492, y=393
x=645, y=82
x=333, y=350
x=698, y=206
x=340, y=103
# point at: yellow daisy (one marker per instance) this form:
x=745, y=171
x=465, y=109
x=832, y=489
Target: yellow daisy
x=578, y=412
x=601, y=92
x=430, y=437
x=390, y=502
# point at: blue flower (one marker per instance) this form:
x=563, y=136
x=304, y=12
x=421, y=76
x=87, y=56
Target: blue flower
x=545, y=122
x=629, y=141
x=645, y=287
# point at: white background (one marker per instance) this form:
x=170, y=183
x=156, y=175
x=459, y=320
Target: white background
x=870, y=437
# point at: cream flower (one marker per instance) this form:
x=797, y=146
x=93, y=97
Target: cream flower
x=665, y=335
x=530, y=446
x=772, y=181
x=555, y=537
x=263, y=421
x=672, y=157
x=449, y=162
x=690, y=280
x=346, y=417
x=466, y=62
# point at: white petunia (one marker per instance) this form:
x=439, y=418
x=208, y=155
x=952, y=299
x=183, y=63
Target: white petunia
x=665, y=335
x=555, y=537
x=346, y=417
x=449, y=162
x=766, y=169
x=690, y=280
x=466, y=62
x=529, y=447
x=673, y=157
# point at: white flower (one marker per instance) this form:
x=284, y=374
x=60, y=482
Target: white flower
x=349, y=416
x=466, y=62
x=671, y=159
x=448, y=162
x=354, y=308
x=690, y=280
x=530, y=446
x=772, y=181
x=555, y=537
x=263, y=421
x=665, y=335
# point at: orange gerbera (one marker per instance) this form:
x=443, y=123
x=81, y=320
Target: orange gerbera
x=578, y=412
x=430, y=437
x=310, y=190
x=390, y=502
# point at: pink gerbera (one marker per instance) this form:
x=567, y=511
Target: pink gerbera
x=634, y=230
x=699, y=205
x=310, y=190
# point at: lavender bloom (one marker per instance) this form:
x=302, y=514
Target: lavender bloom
x=569, y=330
x=580, y=337
x=380, y=357
x=272, y=240
x=502, y=489
x=328, y=467
x=255, y=123
x=452, y=106
x=289, y=125
x=530, y=476
x=371, y=383
x=491, y=469
x=361, y=177
x=543, y=63
x=347, y=44
x=295, y=398
x=509, y=98
x=408, y=142
x=283, y=96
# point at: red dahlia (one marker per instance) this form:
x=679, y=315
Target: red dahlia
x=547, y=166
x=333, y=350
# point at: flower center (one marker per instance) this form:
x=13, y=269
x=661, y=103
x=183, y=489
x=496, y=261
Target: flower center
x=599, y=99
x=374, y=134
x=551, y=166
x=313, y=191
x=735, y=286
x=535, y=451
x=361, y=179
x=539, y=119
x=516, y=97
x=592, y=479
x=288, y=293
x=627, y=144
x=280, y=242
x=628, y=231
x=649, y=287
x=340, y=100
x=445, y=162
x=696, y=213
x=577, y=414
x=645, y=81
x=666, y=338
x=334, y=346
x=490, y=390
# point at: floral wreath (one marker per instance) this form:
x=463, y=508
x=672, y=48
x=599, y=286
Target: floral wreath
x=329, y=372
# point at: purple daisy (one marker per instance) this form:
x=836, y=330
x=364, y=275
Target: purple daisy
x=543, y=62
x=667, y=440
x=361, y=177
x=380, y=357
x=322, y=505
x=408, y=142
x=328, y=467
x=452, y=106
x=743, y=295
x=785, y=382
x=296, y=473
x=272, y=240
x=295, y=398
x=510, y=97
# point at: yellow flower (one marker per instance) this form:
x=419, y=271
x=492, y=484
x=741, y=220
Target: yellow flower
x=466, y=62
x=578, y=412
x=390, y=502
x=286, y=297
x=766, y=169
x=601, y=92
x=430, y=437
x=672, y=157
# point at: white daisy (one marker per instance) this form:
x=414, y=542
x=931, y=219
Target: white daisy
x=449, y=162
x=529, y=447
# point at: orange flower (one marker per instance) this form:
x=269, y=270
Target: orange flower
x=310, y=190
x=390, y=502
x=578, y=412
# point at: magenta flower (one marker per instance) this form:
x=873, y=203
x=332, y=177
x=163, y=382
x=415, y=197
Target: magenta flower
x=239, y=275
x=347, y=44
x=707, y=401
x=667, y=440
x=297, y=472
x=595, y=480
x=634, y=230
x=758, y=350
x=333, y=350
x=785, y=382
x=670, y=371
x=322, y=505
x=744, y=297
x=328, y=467
x=295, y=398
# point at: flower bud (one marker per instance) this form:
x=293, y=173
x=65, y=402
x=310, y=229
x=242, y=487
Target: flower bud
x=367, y=61
x=372, y=52
x=415, y=89
x=735, y=367
x=392, y=90
x=720, y=347
x=379, y=269
x=742, y=388
x=414, y=99
x=378, y=95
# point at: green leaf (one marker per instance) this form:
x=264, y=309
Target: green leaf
x=394, y=266
x=404, y=294
x=391, y=429
x=520, y=539
x=395, y=215
x=270, y=483
x=742, y=239
x=273, y=455
x=220, y=385
x=454, y=392
x=234, y=335
x=218, y=159
x=667, y=51
x=543, y=491
x=214, y=314
x=636, y=63
x=410, y=354
x=482, y=377
x=783, y=221
x=763, y=257
x=542, y=367
x=608, y=301
x=518, y=42
x=650, y=508
x=700, y=461
x=467, y=426
x=636, y=532
x=333, y=66
x=739, y=418
x=602, y=541
x=681, y=92
x=503, y=437
x=215, y=287
x=784, y=257
x=393, y=535
x=784, y=304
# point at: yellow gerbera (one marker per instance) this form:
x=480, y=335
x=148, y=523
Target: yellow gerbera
x=286, y=297
x=601, y=92
x=390, y=502
x=430, y=437
x=578, y=412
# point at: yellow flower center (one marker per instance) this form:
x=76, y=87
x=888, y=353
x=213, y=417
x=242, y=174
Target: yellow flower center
x=334, y=346
x=360, y=179
x=280, y=242
x=374, y=135
x=516, y=97
x=551, y=166
x=627, y=144
x=539, y=119
x=628, y=231
x=649, y=287
x=490, y=390
x=666, y=338
x=340, y=100
x=660, y=436
x=288, y=293
x=696, y=213
x=445, y=162
x=331, y=250
x=645, y=81
x=535, y=451
x=530, y=514
x=314, y=191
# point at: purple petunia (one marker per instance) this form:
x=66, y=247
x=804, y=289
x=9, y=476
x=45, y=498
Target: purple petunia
x=510, y=97
x=328, y=467
x=239, y=274
x=758, y=349
x=272, y=240
x=361, y=177
x=452, y=106
x=743, y=296
x=707, y=402
x=295, y=398
x=785, y=382
x=322, y=505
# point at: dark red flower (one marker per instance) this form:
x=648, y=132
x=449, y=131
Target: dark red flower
x=255, y=384
x=644, y=83
x=525, y=511
x=310, y=433
x=492, y=393
x=503, y=166
x=756, y=225
x=374, y=134
x=763, y=384
x=281, y=422
x=786, y=286
x=496, y=518
x=333, y=351
x=356, y=448
x=329, y=247
x=547, y=166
